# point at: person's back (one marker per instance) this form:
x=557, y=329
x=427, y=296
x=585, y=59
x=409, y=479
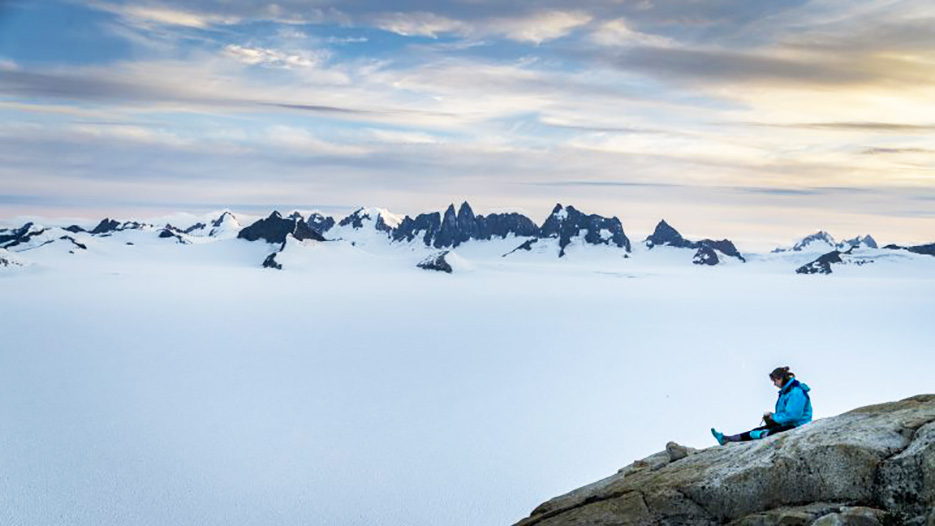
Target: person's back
x=794, y=406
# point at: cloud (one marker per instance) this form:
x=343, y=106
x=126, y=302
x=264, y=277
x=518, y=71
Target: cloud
x=617, y=32
x=194, y=14
x=419, y=24
x=401, y=137
x=723, y=67
x=538, y=27
x=308, y=143
x=877, y=127
x=888, y=151
x=154, y=14
x=534, y=28
x=275, y=58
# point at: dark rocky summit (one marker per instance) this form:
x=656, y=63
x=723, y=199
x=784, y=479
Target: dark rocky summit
x=666, y=235
x=320, y=223
x=866, y=241
x=218, y=224
x=928, y=250
x=356, y=218
x=452, y=229
x=565, y=223
x=106, y=225
x=436, y=262
x=196, y=226
x=74, y=229
x=221, y=218
x=822, y=265
x=723, y=246
x=820, y=240
x=170, y=232
x=871, y=466
x=18, y=236
x=275, y=228
x=424, y=226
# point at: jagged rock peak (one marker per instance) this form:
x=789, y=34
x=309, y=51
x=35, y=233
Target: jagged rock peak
x=665, y=234
x=319, y=222
x=225, y=216
x=566, y=223
x=106, y=225
x=872, y=464
x=820, y=240
x=275, y=228
x=928, y=250
x=822, y=265
x=355, y=218
x=450, y=229
x=859, y=242
x=382, y=219
x=465, y=211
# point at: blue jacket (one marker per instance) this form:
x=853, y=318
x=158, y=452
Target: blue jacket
x=794, y=406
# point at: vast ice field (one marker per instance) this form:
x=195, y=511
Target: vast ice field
x=157, y=384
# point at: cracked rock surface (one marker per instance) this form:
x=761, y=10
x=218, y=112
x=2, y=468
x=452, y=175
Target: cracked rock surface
x=873, y=465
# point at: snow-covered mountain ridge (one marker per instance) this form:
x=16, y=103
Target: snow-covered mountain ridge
x=496, y=238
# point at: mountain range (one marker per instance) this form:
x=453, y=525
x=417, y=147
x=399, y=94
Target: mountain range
x=565, y=229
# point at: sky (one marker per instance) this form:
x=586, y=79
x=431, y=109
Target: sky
x=759, y=121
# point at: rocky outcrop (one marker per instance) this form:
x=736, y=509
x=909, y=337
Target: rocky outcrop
x=225, y=224
x=452, y=228
x=873, y=465
x=19, y=236
x=822, y=265
x=424, y=226
x=270, y=262
x=8, y=260
x=706, y=256
x=170, y=232
x=666, y=235
x=820, y=240
x=275, y=228
x=858, y=242
x=320, y=223
x=355, y=219
x=566, y=223
x=436, y=262
x=193, y=228
x=106, y=226
x=723, y=246
x=74, y=242
x=928, y=250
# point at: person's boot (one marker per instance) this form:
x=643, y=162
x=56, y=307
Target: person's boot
x=718, y=436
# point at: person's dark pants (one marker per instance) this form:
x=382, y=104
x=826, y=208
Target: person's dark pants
x=773, y=428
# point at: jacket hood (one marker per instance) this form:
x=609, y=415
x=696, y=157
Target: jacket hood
x=792, y=383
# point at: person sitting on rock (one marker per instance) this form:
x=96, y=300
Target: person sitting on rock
x=793, y=409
